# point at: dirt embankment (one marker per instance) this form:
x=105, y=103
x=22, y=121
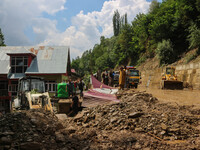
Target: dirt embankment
x=139, y=121
x=189, y=73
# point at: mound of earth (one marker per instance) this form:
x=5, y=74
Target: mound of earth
x=138, y=121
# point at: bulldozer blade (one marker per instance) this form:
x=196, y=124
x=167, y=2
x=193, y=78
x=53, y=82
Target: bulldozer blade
x=172, y=85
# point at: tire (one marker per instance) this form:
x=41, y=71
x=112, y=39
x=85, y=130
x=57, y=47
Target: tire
x=136, y=85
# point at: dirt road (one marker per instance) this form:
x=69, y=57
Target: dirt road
x=182, y=97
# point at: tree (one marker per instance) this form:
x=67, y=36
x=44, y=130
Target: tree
x=1, y=39
x=194, y=36
x=116, y=23
x=165, y=52
x=154, y=6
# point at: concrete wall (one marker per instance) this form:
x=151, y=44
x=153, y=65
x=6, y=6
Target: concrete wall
x=189, y=74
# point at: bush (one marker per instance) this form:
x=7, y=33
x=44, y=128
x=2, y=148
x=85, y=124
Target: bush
x=141, y=60
x=190, y=57
x=194, y=36
x=165, y=52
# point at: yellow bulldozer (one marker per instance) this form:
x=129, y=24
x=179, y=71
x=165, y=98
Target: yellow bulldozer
x=31, y=95
x=169, y=79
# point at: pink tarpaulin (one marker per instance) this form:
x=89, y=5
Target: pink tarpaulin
x=97, y=84
x=99, y=90
x=93, y=93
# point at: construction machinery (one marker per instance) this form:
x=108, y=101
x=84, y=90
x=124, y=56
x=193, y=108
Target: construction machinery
x=133, y=76
x=63, y=98
x=31, y=94
x=169, y=79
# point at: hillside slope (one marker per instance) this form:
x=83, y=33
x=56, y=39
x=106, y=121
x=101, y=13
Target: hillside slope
x=187, y=70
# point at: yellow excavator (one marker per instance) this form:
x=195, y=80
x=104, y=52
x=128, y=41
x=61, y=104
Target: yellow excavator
x=169, y=79
x=31, y=94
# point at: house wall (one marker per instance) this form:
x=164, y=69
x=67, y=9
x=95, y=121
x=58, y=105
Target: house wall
x=5, y=99
x=56, y=78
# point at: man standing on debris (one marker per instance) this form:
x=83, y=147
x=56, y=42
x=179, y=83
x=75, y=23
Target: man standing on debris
x=74, y=106
x=70, y=87
x=81, y=86
x=99, y=75
x=111, y=78
x=127, y=77
x=106, y=77
x=122, y=78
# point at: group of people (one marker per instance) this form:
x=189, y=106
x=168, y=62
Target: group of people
x=108, y=77
x=73, y=86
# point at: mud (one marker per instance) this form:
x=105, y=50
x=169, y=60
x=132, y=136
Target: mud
x=181, y=97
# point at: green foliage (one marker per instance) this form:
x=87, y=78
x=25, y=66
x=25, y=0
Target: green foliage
x=194, y=36
x=34, y=91
x=165, y=52
x=141, y=60
x=190, y=57
x=154, y=6
x=116, y=23
x=1, y=39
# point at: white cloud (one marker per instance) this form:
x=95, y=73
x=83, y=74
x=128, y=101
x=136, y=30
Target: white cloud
x=86, y=33
x=18, y=15
x=85, y=29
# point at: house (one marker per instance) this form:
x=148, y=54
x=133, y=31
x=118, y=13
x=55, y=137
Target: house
x=50, y=62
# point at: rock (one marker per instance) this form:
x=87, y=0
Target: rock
x=135, y=115
x=146, y=148
x=59, y=137
x=115, y=113
x=112, y=120
x=162, y=132
x=137, y=146
x=71, y=129
x=79, y=116
x=31, y=146
x=174, y=130
x=8, y=133
x=5, y=140
x=139, y=130
x=153, y=99
x=163, y=126
x=86, y=125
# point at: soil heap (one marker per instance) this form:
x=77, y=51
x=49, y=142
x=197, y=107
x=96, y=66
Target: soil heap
x=138, y=121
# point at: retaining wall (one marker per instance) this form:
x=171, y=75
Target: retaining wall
x=189, y=74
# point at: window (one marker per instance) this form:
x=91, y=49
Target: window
x=12, y=88
x=134, y=73
x=19, y=64
x=51, y=86
x=3, y=88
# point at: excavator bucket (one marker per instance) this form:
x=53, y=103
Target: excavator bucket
x=172, y=84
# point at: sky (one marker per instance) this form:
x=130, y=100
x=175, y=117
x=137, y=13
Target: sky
x=75, y=23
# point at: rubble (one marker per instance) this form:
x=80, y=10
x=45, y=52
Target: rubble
x=141, y=114
x=138, y=121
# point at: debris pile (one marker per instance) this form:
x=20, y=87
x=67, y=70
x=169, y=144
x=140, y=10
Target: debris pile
x=32, y=129
x=139, y=118
x=138, y=121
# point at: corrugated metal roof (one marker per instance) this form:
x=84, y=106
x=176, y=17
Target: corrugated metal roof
x=48, y=60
